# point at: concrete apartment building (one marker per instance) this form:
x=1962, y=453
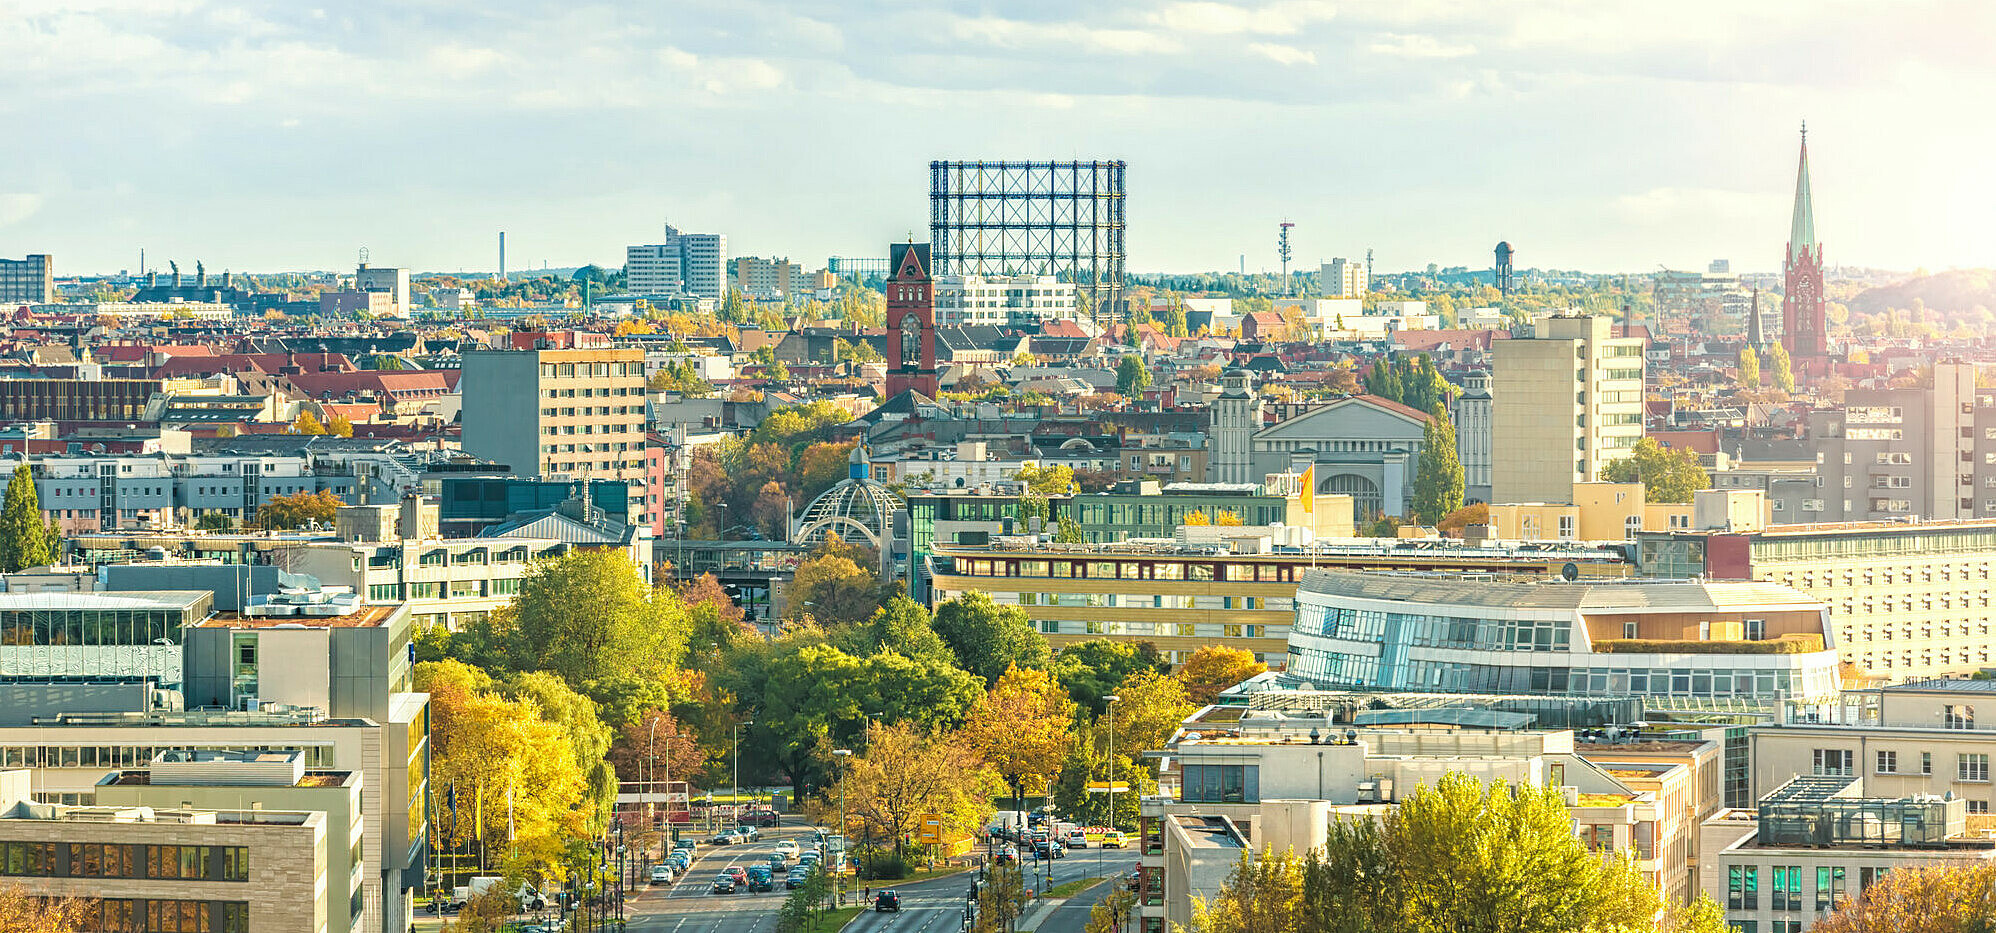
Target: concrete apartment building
x=1913, y=453
x=179, y=868
x=1906, y=601
x=1015, y=300
x=772, y=278
x=27, y=281
x=1343, y=278
x=578, y=413
x=168, y=491
x=1818, y=841
x=1565, y=402
x=693, y=264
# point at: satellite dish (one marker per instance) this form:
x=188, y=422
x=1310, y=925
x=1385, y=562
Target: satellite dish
x=1570, y=572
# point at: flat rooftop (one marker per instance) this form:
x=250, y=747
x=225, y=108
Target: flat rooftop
x=1208, y=832
x=368, y=617
x=1587, y=595
x=143, y=778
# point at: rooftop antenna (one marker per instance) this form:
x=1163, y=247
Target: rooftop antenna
x=1282, y=249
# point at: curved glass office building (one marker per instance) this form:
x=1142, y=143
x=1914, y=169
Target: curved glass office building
x=1680, y=639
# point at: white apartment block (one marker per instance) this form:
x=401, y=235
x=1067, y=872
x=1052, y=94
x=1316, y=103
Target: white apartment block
x=1001, y=300
x=685, y=264
x=1343, y=278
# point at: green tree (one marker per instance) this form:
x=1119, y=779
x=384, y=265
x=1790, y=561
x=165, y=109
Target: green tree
x=589, y=618
x=1093, y=669
x=1923, y=899
x=901, y=626
x=1438, y=483
x=215, y=521
x=833, y=589
x=988, y=638
x=1131, y=376
x=1782, y=366
x=1667, y=474
x=1749, y=369
x=26, y=539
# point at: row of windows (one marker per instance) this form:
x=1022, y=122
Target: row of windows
x=135, y=756
x=591, y=410
x=592, y=393
x=1398, y=628
x=91, y=627
x=1220, y=784
x=555, y=429
x=159, y=915
x=119, y=860
x=1125, y=570
x=1162, y=629
x=1142, y=601
x=1785, y=890
x=590, y=370
x=1337, y=667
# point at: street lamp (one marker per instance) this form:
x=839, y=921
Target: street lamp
x=838, y=892
x=1112, y=698
x=738, y=769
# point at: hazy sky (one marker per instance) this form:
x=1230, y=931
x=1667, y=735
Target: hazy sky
x=1609, y=136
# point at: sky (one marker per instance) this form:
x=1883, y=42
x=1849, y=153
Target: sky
x=1601, y=135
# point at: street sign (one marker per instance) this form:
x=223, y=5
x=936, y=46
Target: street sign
x=929, y=829
x=1103, y=787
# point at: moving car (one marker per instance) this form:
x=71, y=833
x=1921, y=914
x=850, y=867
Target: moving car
x=1049, y=849
x=724, y=885
x=1114, y=839
x=1076, y=839
x=747, y=833
x=887, y=900
x=759, y=880
x=725, y=839
x=787, y=848
x=736, y=872
x=796, y=878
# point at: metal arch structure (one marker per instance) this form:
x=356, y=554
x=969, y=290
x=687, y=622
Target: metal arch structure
x=852, y=507
x=1064, y=219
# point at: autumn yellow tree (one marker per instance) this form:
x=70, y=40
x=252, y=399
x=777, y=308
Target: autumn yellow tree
x=340, y=426
x=1150, y=707
x=907, y=773
x=283, y=513
x=506, y=766
x=1227, y=517
x=1198, y=517
x=1022, y=728
x=24, y=912
x=1951, y=899
x=1214, y=668
x=307, y=423
x=832, y=588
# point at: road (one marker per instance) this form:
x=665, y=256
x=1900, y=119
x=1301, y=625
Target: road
x=926, y=906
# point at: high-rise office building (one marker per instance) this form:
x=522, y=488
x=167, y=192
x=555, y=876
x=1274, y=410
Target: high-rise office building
x=685, y=264
x=548, y=411
x=1565, y=403
x=26, y=281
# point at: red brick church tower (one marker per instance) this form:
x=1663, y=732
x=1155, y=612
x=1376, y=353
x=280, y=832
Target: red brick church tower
x=1802, y=275
x=911, y=322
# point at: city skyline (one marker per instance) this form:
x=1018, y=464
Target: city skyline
x=263, y=138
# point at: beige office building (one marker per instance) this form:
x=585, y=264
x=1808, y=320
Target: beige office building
x=140, y=868
x=557, y=412
x=1928, y=737
x=1565, y=403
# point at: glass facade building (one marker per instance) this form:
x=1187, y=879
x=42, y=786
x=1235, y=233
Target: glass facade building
x=129, y=635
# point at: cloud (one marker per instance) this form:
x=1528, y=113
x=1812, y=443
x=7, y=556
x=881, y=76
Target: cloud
x=1711, y=205
x=1021, y=34
x=1283, y=54
x=1281, y=18
x=1404, y=45
x=18, y=206
x=459, y=61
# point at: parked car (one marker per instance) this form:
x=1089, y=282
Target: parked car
x=661, y=874
x=887, y=900
x=1114, y=839
x=724, y=885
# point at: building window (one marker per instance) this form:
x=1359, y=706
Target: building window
x=1221, y=784
x=1888, y=763
x=1787, y=892
x=1978, y=806
x=1926, y=762
x=1958, y=717
x=1598, y=837
x=1971, y=766
x=1829, y=887
x=1833, y=761
x=1742, y=887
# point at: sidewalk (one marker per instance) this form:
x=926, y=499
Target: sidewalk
x=1042, y=910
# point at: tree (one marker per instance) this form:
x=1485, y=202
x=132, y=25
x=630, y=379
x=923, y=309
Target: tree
x=1932, y=899
x=1214, y=668
x=1001, y=900
x=1261, y=895
x=282, y=513
x=1198, y=517
x=1131, y=376
x=988, y=638
x=25, y=911
x=820, y=467
x=1112, y=913
x=1021, y=728
x=505, y=765
x=307, y=423
x=905, y=773
x=1749, y=369
x=1667, y=474
x=714, y=620
x=215, y=521
x=1438, y=483
x=340, y=426
x=903, y=627
x=833, y=589
x=1227, y=518
x=26, y=539
x=1783, y=367
x=589, y=618
x=1098, y=667
x=1454, y=523
x=657, y=747
x=1151, y=707
x=588, y=737
x=771, y=511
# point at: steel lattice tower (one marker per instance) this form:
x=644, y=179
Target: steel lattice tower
x=1064, y=219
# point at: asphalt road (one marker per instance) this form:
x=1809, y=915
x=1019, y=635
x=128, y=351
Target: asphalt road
x=935, y=906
